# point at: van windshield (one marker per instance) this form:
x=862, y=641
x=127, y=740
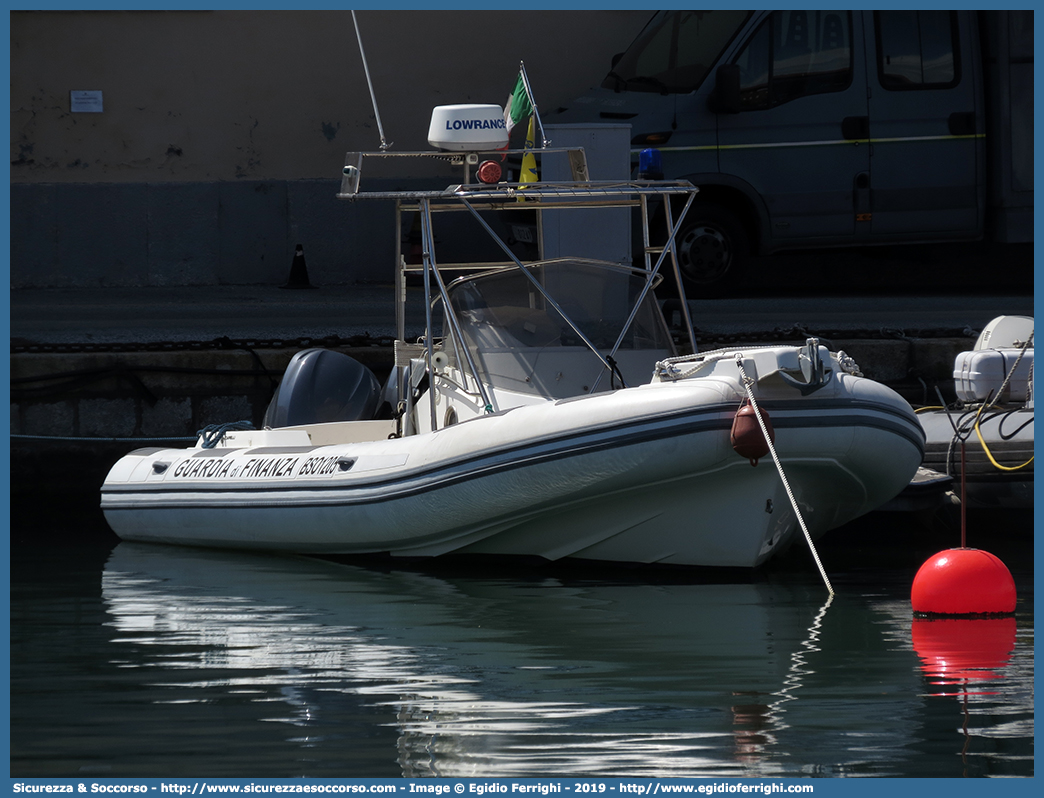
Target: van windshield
x=675, y=52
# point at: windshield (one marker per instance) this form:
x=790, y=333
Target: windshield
x=521, y=343
x=675, y=52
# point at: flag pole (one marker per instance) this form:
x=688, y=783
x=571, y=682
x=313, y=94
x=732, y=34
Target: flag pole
x=532, y=101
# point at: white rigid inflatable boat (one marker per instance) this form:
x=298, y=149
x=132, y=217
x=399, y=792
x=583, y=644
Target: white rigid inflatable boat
x=552, y=418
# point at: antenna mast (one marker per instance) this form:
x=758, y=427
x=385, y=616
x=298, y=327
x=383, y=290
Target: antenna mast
x=373, y=98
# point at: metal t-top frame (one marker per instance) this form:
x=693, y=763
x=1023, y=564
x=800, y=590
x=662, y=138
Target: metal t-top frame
x=579, y=192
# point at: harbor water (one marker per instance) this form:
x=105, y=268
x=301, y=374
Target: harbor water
x=133, y=660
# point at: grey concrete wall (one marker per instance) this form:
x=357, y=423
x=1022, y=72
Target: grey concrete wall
x=98, y=235
x=132, y=234
x=68, y=235
x=209, y=162
x=201, y=96
x=144, y=394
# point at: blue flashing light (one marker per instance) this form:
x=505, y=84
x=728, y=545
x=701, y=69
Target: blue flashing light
x=650, y=164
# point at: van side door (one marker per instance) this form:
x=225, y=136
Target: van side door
x=926, y=124
x=799, y=136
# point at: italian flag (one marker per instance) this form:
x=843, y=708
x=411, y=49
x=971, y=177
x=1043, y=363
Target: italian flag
x=519, y=104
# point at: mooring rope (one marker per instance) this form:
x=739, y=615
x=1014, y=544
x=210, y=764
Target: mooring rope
x=1011, y=372
x=747, y=383
x=212, y=434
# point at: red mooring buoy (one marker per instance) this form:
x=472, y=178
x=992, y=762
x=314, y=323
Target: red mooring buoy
x=747, y=438
x=963, y=582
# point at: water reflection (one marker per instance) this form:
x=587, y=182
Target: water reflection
x=516, y=675
x=960, y=657
x=986, y=664
x=963, y=650
x=483, y=677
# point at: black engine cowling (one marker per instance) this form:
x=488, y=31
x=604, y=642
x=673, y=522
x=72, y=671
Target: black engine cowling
x=320, y=386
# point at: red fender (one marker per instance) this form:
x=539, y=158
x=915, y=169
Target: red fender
x=747, y=438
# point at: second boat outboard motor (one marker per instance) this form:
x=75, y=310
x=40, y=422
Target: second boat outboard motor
x=320, y=386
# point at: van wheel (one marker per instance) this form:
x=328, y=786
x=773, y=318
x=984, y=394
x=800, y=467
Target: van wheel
x=712, y=247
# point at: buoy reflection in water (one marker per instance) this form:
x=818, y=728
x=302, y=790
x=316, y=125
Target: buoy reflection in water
x=959, y=652
x=956, y=651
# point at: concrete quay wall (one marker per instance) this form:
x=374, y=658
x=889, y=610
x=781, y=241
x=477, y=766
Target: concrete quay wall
x=173, y=394
x=145, y=395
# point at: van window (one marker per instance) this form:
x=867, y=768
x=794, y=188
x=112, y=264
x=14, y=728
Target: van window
x=675, y=52
x=794, y=54
x=916, y=49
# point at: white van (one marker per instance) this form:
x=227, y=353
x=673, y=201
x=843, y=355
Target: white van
x=830, y=128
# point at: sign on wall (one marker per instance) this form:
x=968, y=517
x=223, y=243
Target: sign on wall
x=85, y=102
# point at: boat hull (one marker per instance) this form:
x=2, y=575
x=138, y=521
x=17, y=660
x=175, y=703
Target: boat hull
x=642, y=475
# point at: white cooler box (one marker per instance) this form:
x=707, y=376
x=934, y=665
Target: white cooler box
x=979, y=374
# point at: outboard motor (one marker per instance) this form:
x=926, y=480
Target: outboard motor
x=320, y=386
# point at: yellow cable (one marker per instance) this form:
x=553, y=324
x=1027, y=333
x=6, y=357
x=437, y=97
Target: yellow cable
x=989, y=454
